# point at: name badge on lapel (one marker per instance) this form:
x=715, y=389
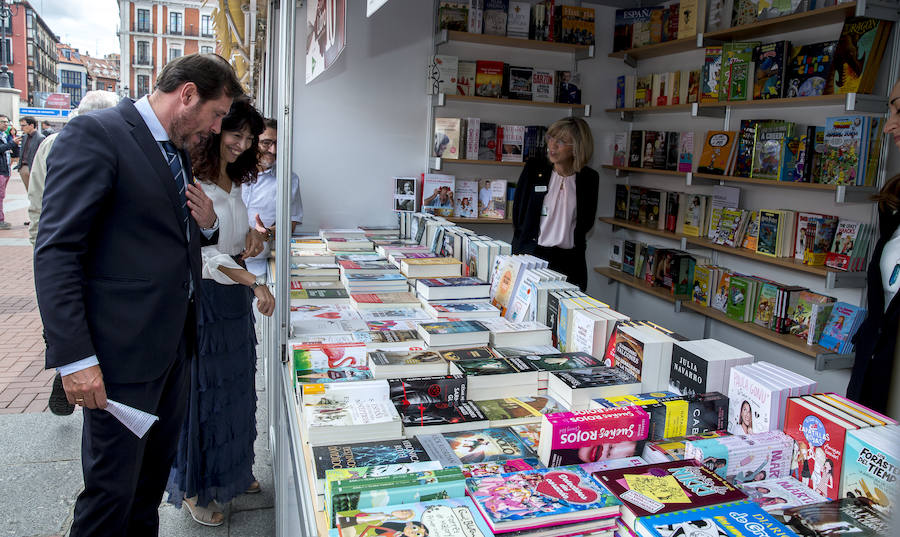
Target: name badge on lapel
x=540, y=188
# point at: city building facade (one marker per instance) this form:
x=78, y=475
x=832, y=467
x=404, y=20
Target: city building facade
x=73, y=73
x=29, y=52
x=153, y=32
x=104, y=72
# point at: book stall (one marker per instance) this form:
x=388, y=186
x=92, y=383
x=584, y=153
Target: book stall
x=423, y=379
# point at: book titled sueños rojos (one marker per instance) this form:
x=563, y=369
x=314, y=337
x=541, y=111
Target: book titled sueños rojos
x=589, y=435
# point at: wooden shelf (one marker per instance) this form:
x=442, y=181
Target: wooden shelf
x=783, y=262
x=484, y=162
x=788, y=23
x=644, y=170
x=512, y=102
x=659, y=49
x=457, y=220
x=652, y=109
x=785, y=340
x=789, y=341
x=503, y=41
x=768, y=182
x=631, y=281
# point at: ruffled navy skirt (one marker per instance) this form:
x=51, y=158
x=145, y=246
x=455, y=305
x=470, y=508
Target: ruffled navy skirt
x=215, y=451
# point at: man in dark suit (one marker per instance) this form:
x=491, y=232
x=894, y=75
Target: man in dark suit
x=117, y=262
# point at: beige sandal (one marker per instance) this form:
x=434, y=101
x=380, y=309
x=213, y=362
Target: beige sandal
x=254, y=488
x=203, y=515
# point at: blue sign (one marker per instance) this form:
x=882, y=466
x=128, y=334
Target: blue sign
x=44, y=112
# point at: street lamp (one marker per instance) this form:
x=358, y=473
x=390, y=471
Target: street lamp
x=6, y=13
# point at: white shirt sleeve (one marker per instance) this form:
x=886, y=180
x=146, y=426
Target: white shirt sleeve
x=212, y=260
x=75, y=367
x=296, y=202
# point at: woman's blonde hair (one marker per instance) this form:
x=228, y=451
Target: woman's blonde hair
x=582, y=140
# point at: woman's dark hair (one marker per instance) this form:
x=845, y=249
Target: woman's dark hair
x=888, y=198
x=212, y=75
x=206, y=156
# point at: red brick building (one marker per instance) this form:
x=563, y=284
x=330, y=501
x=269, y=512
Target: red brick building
x=33, y=59
x=152, y=32
x=104, y=72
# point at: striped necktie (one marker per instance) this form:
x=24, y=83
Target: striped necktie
x=174, y=162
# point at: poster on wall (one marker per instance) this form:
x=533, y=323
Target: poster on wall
x=373, y=5
x=326, y=37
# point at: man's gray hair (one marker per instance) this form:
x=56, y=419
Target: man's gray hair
x=96, y=100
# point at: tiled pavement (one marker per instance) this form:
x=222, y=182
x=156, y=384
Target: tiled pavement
x=24, y=385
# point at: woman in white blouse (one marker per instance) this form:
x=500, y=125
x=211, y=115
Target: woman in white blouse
x=214, y=463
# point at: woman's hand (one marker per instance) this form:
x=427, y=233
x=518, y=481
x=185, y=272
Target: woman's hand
x=253, y=244
x=265, y=301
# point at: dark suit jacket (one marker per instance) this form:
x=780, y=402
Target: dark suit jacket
x=528, y=202
x=112, y=263
x=29, y=148
x=876, y=338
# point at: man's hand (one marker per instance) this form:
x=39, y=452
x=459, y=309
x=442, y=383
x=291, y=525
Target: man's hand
x=86, y=388
x=253, y=244
x=259, y=226
x=266, y=302
x=201, y=206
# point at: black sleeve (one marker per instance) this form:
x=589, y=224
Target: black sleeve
x=522, y=186
x=80, y=176
x=588, y=192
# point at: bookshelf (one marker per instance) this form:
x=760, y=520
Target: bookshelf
x=842, y=193
x=452, y=36
x=833, y=278
x=443, y=98
x=858, y=103
x=437, y=163
x=457, y=220
x=788, y=341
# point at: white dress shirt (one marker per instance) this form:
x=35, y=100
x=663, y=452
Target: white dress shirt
x=558, y=213
x=260, y=198
x=232, y=214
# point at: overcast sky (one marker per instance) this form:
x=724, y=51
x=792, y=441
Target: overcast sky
x=88, y=25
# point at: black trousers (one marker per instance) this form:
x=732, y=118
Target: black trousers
x=568, y=261
x=124, y=476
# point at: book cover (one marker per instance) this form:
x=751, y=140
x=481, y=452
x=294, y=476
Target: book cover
x=366, y=454
x=465, y=78
x=437, y=389
x=667, y=487
x=533, y=498
x=513, y=146
x=717, y=152
x=842, y=246
x=840, y=326
x=771, y=69
x=635, y=149
x=453, y=16
x=487, y=445
x=768, y=149
x=568, y=88
x=512, y=408
x=496, y=13
x=446, y=138
x=871, y=466
x=591, y=435
x=520, y=83
x=842, y=163
x=709, y=83
x=858, y=53
x=437, y=194
x=487, y=141
x=437, y=518
x=746, y=139
x=620, y=149
x=767, y=242
x=820, y=439
x=495, y=468
x=847, y=516
x=740, y=518
x=489, y=75
x=328, y=355
x=466, y=199
x=685, y=152
x=434, y=414
x=543, y=87
x=810, y=69
x=776, y=495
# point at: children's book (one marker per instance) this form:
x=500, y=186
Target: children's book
x=809, y=70
x=776, y=495
x=849, y=516
x=771, y=69
x=840, y=327
x=717, y=150
x=768, y=149
x=712, y=65
x=742, y=518
x=366, y=454
x=858, y=54
x=482, y=445
x=686, y=152
x=536, y=498
x=437, y=518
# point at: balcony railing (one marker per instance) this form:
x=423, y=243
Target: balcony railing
x=208, y=35
x=142, y=61
x=145, y=28
x=171, y=30
x=191, y=32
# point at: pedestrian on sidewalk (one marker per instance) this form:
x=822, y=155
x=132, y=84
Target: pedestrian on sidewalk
x=93, y=100
x=117, y=266
x=6, y=144
x=31, y=138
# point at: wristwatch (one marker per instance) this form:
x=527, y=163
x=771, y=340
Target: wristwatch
x=260, y=280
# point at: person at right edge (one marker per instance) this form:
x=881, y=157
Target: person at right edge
x=556, y=201
x=875, y=368
x=117, y=267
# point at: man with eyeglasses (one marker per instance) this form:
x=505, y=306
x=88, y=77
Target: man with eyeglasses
x=260, y=197
x=6, y=144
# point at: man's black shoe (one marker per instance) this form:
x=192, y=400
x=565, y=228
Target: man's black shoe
x=58, y=403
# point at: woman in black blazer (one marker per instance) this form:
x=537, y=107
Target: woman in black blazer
x=876, y=339
x=556, y=201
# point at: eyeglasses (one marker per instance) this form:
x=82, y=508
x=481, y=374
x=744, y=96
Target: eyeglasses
x=267, y=144
x=557, y=141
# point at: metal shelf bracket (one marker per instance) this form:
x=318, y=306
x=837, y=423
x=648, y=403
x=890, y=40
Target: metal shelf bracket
x=845, y=280
x=697, y=111
x=435, y=163
x=677, y=306
x=689, y=178
x=853, y=194
x=827, y=361
x=626, y=116
x=630, y=60
x=861, y=102
x=621, y=173
x=441, y=37
x=438, y=100
x=585, y=54
x=878, y=9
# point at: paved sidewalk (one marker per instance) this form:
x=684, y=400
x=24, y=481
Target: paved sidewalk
x=24, y=385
